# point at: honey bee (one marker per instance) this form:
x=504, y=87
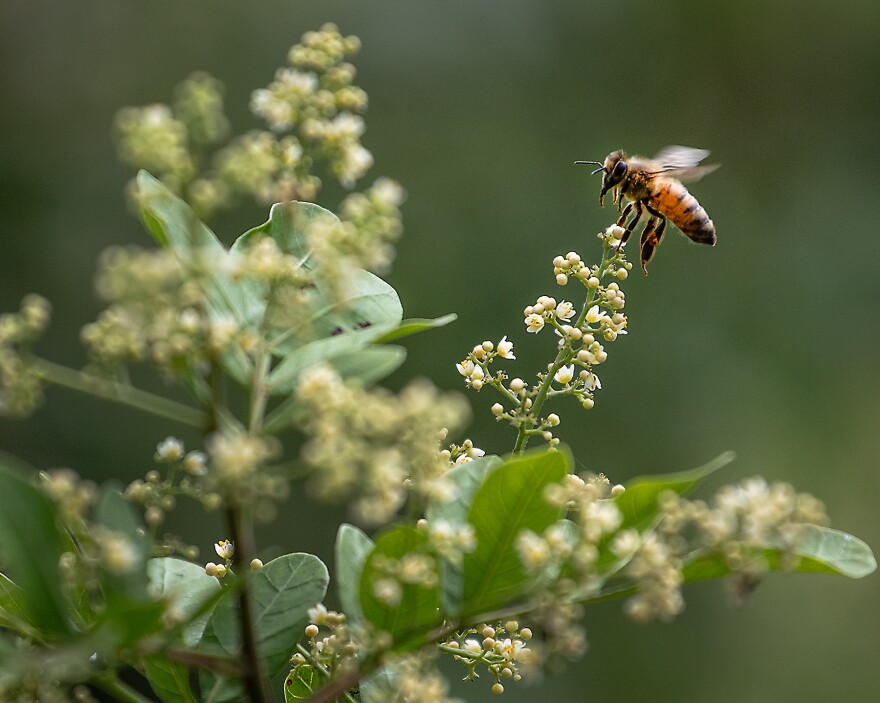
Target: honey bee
x=655, y=185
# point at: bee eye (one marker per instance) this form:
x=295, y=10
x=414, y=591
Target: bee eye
x=619, y=170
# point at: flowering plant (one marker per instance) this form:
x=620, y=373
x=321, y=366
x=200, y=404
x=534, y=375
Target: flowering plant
x=288, y=330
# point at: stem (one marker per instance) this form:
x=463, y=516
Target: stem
x=564, y=355
x=110, y=684
x=242, y=534
x=121, y=393
x=259, y=392
x=325, y=672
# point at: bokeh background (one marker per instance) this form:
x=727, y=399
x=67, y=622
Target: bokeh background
x=766, y=344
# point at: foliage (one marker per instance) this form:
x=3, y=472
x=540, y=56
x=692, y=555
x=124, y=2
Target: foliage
x=287, y=332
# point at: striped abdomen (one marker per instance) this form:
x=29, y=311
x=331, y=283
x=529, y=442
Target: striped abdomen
x=674, y=201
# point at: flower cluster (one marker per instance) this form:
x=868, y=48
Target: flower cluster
x=500, y=647
x=157, y=312
x=153, y=138
x=313, y=111
x=331, y=647
x=581, y=332
x=371, y=446
x=448, y=540
x=157, y=494
x=21, y=383
x=369, y=225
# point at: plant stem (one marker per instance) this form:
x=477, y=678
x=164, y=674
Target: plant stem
x=111, y=684
x=121, y=393
x=241, y=532
x=347, y=697
x=564, y=355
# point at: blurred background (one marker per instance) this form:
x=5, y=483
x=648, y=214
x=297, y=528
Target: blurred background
x=766, y=344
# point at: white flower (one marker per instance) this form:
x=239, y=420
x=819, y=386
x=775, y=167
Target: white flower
x=466, y=368
x=534, y=323
x=505, y=349
x=169, y=449
x=224, y=548
x=195, y=463
x=565, y=374
x=595, y=315
x=565, y=310
x=591, y=381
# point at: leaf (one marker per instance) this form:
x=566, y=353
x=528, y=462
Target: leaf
x=371, y=364
x=352, y=548
x=638, y=503
x=113, y=512
x=817, y=550
x=288, y=224
x=176, y=227
x=414, y=326
x=381, y=685
x=301, y=684
x=466, y=480
x=283, y=591
x=186, y=587
x=417, y=608
x=169, y=679
x=31, y=545
x=346, y=353
x=13, y=607
x=509, y=501
x=281, y=594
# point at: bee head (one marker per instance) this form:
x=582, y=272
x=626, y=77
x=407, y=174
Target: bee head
x=615, y=168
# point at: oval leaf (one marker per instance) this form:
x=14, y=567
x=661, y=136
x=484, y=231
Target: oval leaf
x=417, y=607
x=511, y=500
x=352, y=548
x=31, y=545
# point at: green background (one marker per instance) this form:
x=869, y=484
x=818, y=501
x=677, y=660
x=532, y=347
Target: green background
x=766, y=344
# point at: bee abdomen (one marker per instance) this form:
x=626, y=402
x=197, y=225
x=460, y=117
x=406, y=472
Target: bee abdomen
x=675, y=202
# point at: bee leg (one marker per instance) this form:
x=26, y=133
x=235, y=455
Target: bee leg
x=622, y=218
x=651, y=237
x=622, y=189
x=647, y=244
x=632, y=223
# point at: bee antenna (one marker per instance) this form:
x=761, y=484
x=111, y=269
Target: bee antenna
x=597, y=163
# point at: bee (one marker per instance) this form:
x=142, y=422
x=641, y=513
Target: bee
x=655, y=185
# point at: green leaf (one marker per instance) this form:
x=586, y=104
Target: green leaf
x=417, y=609
x=171, y=221
x=288, y=225
x=284, y=590
x=371, y=364
x=115, y=513
x=346, y=353
x=466, y=480
x=352, y=548
x=382, y=684
x=817, y=550
x=510, y=500
x=300, y=685
x=281, y=592
x=414, y=326
x=13, y=607
x=638, y=503
x=187, y=588
x=169, y=679
x=30, y=547
x=176, y=227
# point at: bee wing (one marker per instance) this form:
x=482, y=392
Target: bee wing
x=688, y=175
x=676, y=156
